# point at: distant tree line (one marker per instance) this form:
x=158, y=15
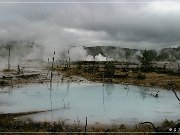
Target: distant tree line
x=165, y=54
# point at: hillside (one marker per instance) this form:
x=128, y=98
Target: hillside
x=27, y=50
x=127, y=54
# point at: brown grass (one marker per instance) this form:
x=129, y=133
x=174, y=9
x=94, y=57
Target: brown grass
x=10, y=124
x=152, y=79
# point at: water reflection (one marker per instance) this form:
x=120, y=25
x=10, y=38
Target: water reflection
x=66, y=105
x=50, y=97
x=126, y=87
x=109, y=88
x=143, y=91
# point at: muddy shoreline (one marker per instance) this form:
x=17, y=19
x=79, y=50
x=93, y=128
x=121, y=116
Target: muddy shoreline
x=152, y=79
x=157, y=80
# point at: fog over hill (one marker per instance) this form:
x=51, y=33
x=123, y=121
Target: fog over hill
x=29, y=50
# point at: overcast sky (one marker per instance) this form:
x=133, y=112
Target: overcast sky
x=135, y=25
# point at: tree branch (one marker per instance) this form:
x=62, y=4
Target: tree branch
x=147, y=122
x=175, y=94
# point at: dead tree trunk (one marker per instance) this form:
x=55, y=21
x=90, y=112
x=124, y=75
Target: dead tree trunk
x=147, y=122
x=171, y=87
x=176, y=94
x=9, y=57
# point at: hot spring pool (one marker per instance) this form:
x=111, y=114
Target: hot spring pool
x=111, y=103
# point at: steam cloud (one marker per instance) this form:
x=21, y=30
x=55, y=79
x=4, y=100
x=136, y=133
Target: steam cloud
x=58, y=27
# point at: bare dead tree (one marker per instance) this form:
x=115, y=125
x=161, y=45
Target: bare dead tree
x=9, y=46
x=171, y=86
x=51, y=84
x=69, y=60
x=9, y=57
x=178, y=67
x=52, y=69
x=163, y=131
x=176, y=94
x=147, y=122
x=86, y=126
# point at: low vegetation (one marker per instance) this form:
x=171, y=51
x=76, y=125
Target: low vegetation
x=11, y=123
x=110, y=72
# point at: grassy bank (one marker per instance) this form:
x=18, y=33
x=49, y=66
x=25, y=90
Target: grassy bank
x=150, y=79
x=96, y=72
